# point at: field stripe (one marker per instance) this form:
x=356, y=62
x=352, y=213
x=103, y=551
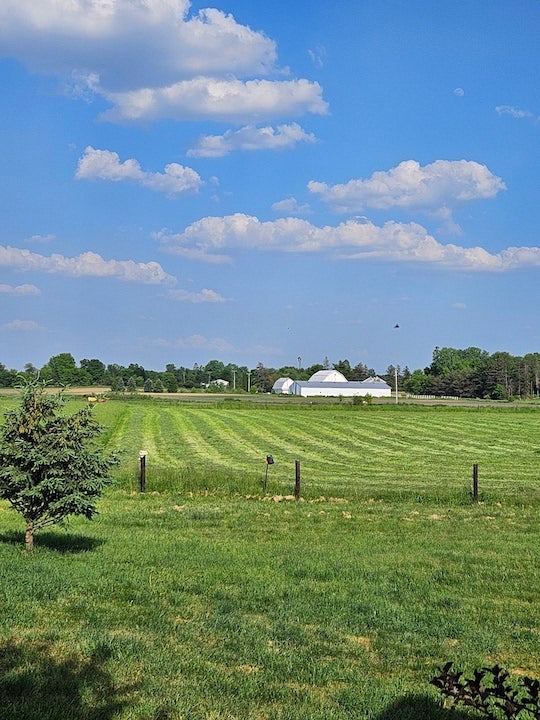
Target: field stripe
x=368, y=447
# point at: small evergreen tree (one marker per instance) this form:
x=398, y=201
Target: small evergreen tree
x=50, y=466
x=148, y=385
x=118, y=384
x=132, y=385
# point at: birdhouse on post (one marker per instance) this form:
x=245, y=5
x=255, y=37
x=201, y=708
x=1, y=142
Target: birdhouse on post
x=269, y=461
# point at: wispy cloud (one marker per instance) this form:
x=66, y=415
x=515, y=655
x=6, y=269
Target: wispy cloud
x=359, y=240
x=40, y=238
x=513, y=112
x=204, y=296
x=318, y=55
x=171, y=64
x=106, y=165
x=20, y=290
x=442, y=184
x=197, y=342
x=173, y=243
x=291, y=206
x=284, y=137
x=24, y=325
x=88, y=264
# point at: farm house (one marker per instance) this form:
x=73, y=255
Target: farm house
x=331, y=383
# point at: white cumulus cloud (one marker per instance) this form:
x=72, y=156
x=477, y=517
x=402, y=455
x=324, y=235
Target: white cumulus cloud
x=251, y=138
x=159, y=42
x=19, y=290
x=106, y=165
x=441, y=184
x=88, y=264
x=223, y=99
x=351, y=240
x=153, y=58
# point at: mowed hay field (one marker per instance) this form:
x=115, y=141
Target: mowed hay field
x=384, y=449
x=205, y=598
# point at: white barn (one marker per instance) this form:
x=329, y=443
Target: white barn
x=282, y=386
x=331, y=383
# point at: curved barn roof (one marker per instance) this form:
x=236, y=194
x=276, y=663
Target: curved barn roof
x=282, y=385
x=327, y=376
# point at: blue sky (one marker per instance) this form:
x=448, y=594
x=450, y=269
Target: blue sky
x=257, y=182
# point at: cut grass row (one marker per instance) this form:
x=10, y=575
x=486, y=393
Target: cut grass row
x=358, y=451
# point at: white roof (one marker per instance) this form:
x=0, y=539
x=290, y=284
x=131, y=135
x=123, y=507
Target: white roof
x=283, y=383
x=327, y=376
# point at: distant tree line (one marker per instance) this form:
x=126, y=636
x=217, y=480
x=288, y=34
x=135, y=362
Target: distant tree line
x=463, y=373
x=475, y=373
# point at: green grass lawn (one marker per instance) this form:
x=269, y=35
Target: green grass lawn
x=203, y=599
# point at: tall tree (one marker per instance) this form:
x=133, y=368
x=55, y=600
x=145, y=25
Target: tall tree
x=344, y=367
x=214, y=370
x=95, y=370
x=361, y=372
x=7, y=377
x=263, y=379
x=170, y=381
x=417, y=383
x=532, y=363
x=50, y=464
x=63, y=369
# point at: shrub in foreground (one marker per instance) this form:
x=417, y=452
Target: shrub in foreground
x=50, y=467
x=491, y=692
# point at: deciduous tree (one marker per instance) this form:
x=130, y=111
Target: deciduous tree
x=63, y=369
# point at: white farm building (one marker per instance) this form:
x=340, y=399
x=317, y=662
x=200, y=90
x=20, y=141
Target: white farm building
x=282, y=386
x=331, y=383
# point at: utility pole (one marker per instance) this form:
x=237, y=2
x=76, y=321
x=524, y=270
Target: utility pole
x=396, y=327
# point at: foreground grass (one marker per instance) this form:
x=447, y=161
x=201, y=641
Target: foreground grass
x=203, y=607
x=204, y=600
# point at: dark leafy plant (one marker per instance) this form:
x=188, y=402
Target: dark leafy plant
x=491, y=692
x=50, y=464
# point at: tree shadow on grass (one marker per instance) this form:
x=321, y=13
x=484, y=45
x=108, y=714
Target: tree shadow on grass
x=423, y=707
x=58, y=541
x=39, y=681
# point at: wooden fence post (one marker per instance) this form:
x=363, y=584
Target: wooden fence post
x=297, y=480
x=142, y=476
x=475, y=482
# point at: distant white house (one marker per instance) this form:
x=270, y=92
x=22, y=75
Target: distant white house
x=223, y=384
x=331, y=383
